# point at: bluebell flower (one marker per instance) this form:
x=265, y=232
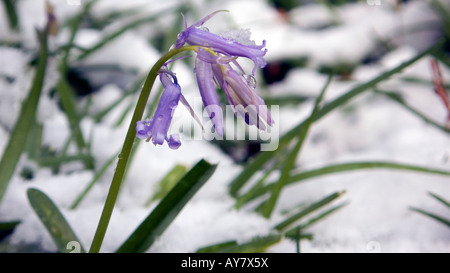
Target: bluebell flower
x=156, y=129
x=206, y=85
x=216, y=64
x=194, y=35
x=239, y=88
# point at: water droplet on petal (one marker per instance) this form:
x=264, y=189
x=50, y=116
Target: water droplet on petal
x=204, y=29
x=251, y=81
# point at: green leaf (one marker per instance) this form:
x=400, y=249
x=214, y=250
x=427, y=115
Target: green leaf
x=68, y=102
x=395, y=97
x=301, y=176
x=13, y=20
x=168, y=209
x=168, y=182
x=433, y=216
x=74, y=24
x=34, y=141
x=293, y=233
x=127, y=93
x=91, y=184
x=260, y=160
x=250, y=169
x=241, y=200
x=256, y=245
x=440, y=199
x=18, y=137
x=55, y=223
x=134, y=24
x=217, y=247
x=269, y=205
x=302, y=213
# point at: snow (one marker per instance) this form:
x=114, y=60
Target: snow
x=370, y=127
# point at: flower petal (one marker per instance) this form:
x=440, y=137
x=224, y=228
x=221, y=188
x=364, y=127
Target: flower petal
x=205, y=81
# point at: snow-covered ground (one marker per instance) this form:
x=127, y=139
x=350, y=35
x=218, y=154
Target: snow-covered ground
x=377, y=217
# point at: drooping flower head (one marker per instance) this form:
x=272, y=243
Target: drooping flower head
x=156, y=129
x=215, y=64
x=194, y=35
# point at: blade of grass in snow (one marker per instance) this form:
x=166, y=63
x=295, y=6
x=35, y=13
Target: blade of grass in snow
x=269, y=205
x=124, y=114
x=292, y=233
x=74, y=25
x=285, y=100
x=167, y=183
x=420, y=81
x=68, y=102
x=396, y=97
x=168, y=209
x=25, y=120
x=217, y=247
x=134, y=24
x=102, y=21
x=256, y=245
x=131, y=90
x=63, y=153
x=300, y=236
x=311, y=208
x=34, y=141
x=55, y=223
x=10, y=8
x=260, y=160
x=57, y=160
x=298, y=177
x=433, y=216
x=440, y=199
x=91, y=184
x=260, y=183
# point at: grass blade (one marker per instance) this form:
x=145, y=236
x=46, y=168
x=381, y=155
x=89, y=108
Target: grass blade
x=74, y=26
x=311, y=208
x=25, y=120
x=396, y=97
x=345, y=167
x=293, y=233
x=259, y=161
x=269, y=205
x=169, y=207
x=10, y=8
x=256, y=245
x=68, y=102
x=168, y=182
x=134, y=24
x=440, y=199
x=242, y=199
x=433, y=216
x=97, y=176
x=217, y=247
x=55, y=223
x=250, y=169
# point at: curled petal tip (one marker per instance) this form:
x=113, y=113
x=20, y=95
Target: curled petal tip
x=202, y=21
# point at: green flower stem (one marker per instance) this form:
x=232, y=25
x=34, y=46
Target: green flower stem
x=127, y=147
